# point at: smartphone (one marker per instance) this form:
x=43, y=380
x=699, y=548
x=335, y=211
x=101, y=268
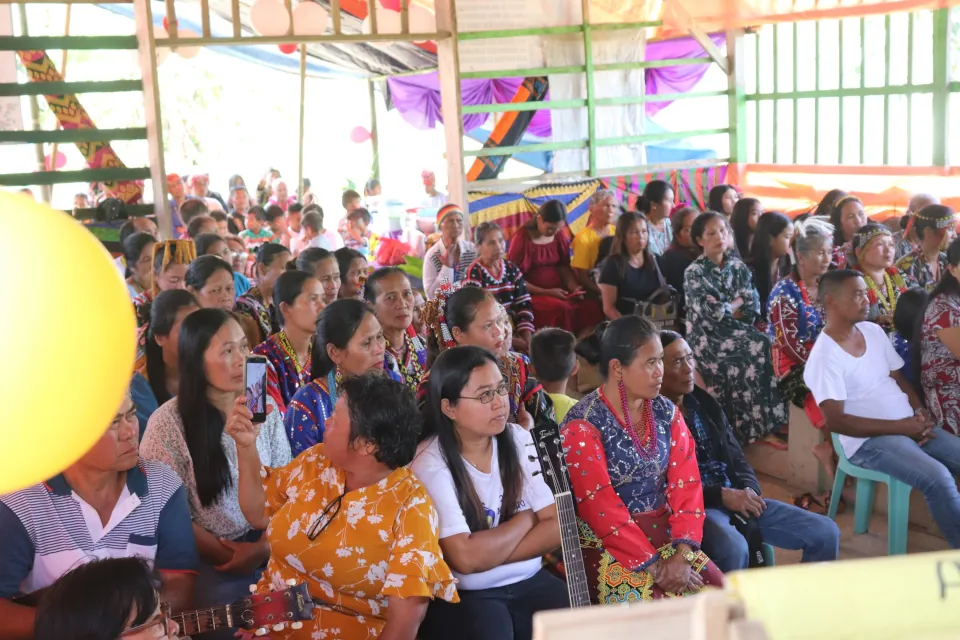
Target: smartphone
x=255, y=387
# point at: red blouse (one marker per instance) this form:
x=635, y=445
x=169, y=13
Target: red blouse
x=540, y=263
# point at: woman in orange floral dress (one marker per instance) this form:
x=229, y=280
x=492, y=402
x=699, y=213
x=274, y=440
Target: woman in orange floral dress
x=348, y=518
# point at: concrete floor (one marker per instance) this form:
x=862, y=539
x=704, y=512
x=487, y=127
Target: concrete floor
x=867, y=545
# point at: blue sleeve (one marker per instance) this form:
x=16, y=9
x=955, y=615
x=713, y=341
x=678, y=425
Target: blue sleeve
x=304, y=420
x=176, y=547
x=143, y=398
x=241, y=284
x=16, y=553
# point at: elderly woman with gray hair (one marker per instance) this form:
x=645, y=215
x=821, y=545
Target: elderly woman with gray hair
x=604, y=209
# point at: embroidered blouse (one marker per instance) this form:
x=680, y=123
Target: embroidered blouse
x=614, y=474
x=253, y=304
x=284, y=373
x=795, y=323
x=510, y=290
x=411, y=364
x=916, y=270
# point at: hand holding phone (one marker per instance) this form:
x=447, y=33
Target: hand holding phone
x=255, y=387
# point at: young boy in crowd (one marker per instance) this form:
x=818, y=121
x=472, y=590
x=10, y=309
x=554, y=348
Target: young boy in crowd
x=554, y=361
x=295, y=228
x=256, y=234
x=357, y=234
x=277, y=221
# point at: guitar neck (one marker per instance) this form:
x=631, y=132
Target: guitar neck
x=577, y=585
x=203, y=620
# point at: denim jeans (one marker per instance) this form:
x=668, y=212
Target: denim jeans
x=781, y=525
x=500, y=613
x=929, y=469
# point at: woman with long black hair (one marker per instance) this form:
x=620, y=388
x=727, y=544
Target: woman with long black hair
x=187, y=434
x=722, y=199
x=138, y=254
x=210, y=279
x=497, y=515
x=743, y=223
x=349, y=342
x=299, y=298
x=770, y=257
x=259, y=316
x=939, y=361
x=156, y=374
x=655, y=203
x=630, y=274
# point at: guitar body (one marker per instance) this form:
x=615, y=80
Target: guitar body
x=546, y=439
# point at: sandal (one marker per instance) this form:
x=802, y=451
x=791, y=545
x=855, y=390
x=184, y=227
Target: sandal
x=808, y=501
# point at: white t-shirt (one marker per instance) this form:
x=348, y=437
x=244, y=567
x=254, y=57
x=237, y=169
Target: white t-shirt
x=863, y=384
x=433, y=473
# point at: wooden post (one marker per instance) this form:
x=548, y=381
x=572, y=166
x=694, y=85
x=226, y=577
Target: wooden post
x=46, y=191
x=143, y=15
x=63, y=71
x=737, y=102
x=374, y=133
x=303, y=114
x=448, y=68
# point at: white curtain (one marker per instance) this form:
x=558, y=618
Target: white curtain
x=611, y=121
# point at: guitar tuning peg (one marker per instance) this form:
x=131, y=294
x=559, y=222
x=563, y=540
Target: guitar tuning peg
x=296, y=625
x=291, y=582
x=253, y=589
x=262, y=631
x=278, y=627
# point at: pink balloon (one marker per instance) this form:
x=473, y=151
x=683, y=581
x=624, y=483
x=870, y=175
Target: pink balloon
x=61, y=161
x=360, y=135
x=287, y=48
x=392, y=5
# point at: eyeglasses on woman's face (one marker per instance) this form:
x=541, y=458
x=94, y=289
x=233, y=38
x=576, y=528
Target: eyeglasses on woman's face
x=487, y=396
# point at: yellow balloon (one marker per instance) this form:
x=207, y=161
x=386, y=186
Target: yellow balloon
x=67, y=341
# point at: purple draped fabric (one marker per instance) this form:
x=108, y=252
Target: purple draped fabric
x=418, y=97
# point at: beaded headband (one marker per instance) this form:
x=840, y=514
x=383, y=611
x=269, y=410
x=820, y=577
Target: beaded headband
x=867, y=233
x=940, y=216
x=174, y=252
x=435, y=311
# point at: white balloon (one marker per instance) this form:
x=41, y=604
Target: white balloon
x=422, y=20
x=269, y=18
x=162, y=52
x=387, y=21
x=309, y=19
x=186, y=51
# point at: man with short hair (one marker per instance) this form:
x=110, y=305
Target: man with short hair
x=738, y=521
x=854, y=374
x=109, y=504
x=202, y=224
x=294, y=233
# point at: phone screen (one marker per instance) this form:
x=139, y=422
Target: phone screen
x=255, y=381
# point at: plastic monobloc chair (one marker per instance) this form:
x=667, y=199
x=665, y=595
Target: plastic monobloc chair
x=898, y=500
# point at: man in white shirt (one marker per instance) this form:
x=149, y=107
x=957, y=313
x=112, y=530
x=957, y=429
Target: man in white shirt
x=853, y=373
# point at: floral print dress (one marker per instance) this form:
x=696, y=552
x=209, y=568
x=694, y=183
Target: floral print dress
x=940, y=369
x=381, y=542
x=733, y=357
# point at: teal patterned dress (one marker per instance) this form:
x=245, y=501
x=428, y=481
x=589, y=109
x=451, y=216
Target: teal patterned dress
x=733, y=357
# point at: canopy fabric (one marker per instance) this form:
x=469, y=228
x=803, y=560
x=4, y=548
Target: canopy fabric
x=418, y=97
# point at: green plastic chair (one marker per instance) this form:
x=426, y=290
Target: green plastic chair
x=768, y=554
x=898, y=500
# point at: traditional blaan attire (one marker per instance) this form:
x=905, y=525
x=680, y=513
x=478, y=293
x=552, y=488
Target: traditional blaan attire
x=795, y=323
x=260, y=311
x=940, y=368
x=410, y=361
x=638, y=494
x=915, y=269
x=883, y=296
x=508, y=287
x=285, y=373
x=735, y=359
x=310, y=408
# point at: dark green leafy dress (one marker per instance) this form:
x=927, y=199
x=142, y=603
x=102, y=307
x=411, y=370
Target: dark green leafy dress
x=733, y=357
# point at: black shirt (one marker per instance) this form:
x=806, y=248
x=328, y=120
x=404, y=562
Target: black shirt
x=635, y=284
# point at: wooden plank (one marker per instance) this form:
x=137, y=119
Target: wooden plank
x=73, y=135
x=235, y=17
x=143, y=16
x=71, y=43
x=451, y=103
x=64, y=177
x=205, y=18
x=591, y=89
x=737, y=103
x=173, y=27
x=9, y=89
x=687, y=22
x=335, y=15
x=941, y=82
x=303, y=117
x=404, y=19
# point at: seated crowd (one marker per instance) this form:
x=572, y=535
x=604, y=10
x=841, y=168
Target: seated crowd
x=396, y=472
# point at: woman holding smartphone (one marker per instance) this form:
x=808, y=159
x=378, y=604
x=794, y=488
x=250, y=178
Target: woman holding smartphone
x=187, y=434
